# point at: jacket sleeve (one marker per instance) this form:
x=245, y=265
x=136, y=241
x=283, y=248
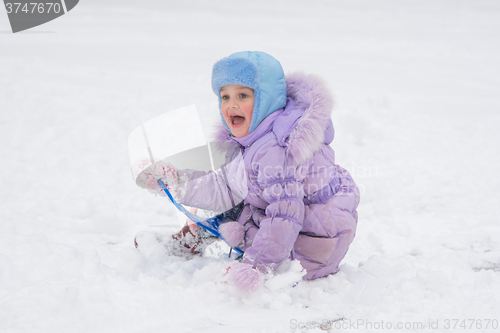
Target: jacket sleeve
x=204, y=190
x=246, y=219
x=217, y=191
x=282, y=190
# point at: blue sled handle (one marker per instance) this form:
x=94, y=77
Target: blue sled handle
x=212, y=221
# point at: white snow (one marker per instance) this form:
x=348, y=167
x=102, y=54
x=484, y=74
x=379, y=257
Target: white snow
x=417, y=115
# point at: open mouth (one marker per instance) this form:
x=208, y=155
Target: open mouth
x=236, y=120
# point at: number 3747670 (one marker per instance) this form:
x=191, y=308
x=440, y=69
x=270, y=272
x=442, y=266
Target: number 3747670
x=33, y=7
x=470, y=324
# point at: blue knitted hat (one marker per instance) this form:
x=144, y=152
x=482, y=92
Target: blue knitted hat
x=256, y=70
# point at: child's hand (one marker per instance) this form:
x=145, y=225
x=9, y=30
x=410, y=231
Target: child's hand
x=160, y=170
x=244, y=277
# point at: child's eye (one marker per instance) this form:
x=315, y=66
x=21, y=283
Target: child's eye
x=243, y=95
x=224, y=97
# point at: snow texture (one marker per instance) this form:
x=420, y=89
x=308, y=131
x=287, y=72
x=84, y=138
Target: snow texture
x=416, y=117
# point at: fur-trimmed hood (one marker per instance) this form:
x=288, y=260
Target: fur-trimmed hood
x=305, y=131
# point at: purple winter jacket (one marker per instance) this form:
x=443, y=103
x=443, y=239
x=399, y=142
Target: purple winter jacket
x=300, y=204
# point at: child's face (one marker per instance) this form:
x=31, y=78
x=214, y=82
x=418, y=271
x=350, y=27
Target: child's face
x=237, y=108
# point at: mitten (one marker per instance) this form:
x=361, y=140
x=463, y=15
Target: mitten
x=160, y=170
x=244, y=277
x=233, y=233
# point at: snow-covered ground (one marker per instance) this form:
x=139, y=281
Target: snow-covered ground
x=417, y=114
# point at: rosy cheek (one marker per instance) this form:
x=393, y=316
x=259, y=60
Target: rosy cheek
x=248, y=111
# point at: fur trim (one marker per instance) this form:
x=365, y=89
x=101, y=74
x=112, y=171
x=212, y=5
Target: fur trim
x=221, y=133
x=220, y=139
x=311, y=94
x=235, y=71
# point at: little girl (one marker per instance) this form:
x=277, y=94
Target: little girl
x=297, y=203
